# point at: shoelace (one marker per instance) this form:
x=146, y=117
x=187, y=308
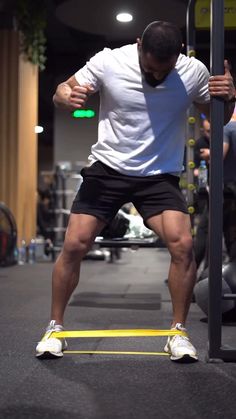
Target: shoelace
x=50, y=331
x=54, y=329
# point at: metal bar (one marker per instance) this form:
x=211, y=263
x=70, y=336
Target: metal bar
x=190, y=128
x=190, y=27
x=229, y=297
x=136, y=243
x=216, y=182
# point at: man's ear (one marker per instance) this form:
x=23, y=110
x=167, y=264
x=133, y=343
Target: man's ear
x=139, y=43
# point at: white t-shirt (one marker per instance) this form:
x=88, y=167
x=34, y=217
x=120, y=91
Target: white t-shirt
x=141, y=129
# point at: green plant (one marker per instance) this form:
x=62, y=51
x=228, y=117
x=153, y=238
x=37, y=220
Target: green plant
x=31, y=22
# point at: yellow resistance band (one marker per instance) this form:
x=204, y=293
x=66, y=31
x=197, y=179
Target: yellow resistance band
x=117, y=353
x=115, y=333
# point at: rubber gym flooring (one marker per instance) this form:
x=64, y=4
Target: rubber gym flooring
x=128, y=294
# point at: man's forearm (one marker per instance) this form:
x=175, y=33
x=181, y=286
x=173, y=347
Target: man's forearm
x=62, y=95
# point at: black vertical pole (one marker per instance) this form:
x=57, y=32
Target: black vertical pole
x=216, y=184
x=190, y=26
x=191, y=118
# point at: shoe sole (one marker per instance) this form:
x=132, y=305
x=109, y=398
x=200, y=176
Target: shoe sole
x=185, y=359
x=49, y=355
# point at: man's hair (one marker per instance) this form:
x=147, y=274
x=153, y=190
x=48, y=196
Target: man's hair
x=162, y=39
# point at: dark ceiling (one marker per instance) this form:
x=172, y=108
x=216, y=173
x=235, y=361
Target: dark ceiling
x=76, y=29
x=99, y=17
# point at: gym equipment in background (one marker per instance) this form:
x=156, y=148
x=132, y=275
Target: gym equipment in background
x=228, y=288
x=8, y=237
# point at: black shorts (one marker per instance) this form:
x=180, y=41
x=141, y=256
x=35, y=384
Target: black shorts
x=104, y=191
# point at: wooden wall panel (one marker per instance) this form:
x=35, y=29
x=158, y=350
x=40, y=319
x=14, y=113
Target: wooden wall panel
x=18, y=141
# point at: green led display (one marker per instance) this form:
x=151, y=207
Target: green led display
x=83, y=113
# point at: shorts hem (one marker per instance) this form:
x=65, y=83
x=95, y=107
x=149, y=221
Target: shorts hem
x=161, y=211
x=86, y=212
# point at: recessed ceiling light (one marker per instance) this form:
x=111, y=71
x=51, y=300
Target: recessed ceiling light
x=124, y=17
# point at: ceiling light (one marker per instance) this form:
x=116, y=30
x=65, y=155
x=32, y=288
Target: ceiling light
x=124, y=17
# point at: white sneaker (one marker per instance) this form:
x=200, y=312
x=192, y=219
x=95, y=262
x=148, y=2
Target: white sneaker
x=50, y=347
x=180, y=348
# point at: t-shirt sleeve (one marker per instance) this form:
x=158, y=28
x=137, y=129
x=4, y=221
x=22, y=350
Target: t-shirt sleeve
x=93, y=71
x=226, y=134
x=202, y=76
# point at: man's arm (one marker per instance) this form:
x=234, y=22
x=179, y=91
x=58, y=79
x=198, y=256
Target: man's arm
x=223, y=87
x=225, y=149
x=226, y=141
x=70, y=95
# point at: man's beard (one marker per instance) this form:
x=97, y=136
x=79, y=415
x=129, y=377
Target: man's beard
x=150, y=79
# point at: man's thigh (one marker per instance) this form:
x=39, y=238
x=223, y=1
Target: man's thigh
x=171, y=226
x=83, y=228
x=157, y=194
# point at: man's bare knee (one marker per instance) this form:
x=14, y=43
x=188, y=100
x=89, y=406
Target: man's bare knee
x=181, y=250
x=77, y=247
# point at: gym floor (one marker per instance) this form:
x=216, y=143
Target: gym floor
x=128, y=294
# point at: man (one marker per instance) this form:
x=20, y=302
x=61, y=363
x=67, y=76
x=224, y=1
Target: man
x=229, y=207
x=202, y=152
x=145, y=90
x=202, y=146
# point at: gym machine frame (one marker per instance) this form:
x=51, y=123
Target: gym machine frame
x=215, y=348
